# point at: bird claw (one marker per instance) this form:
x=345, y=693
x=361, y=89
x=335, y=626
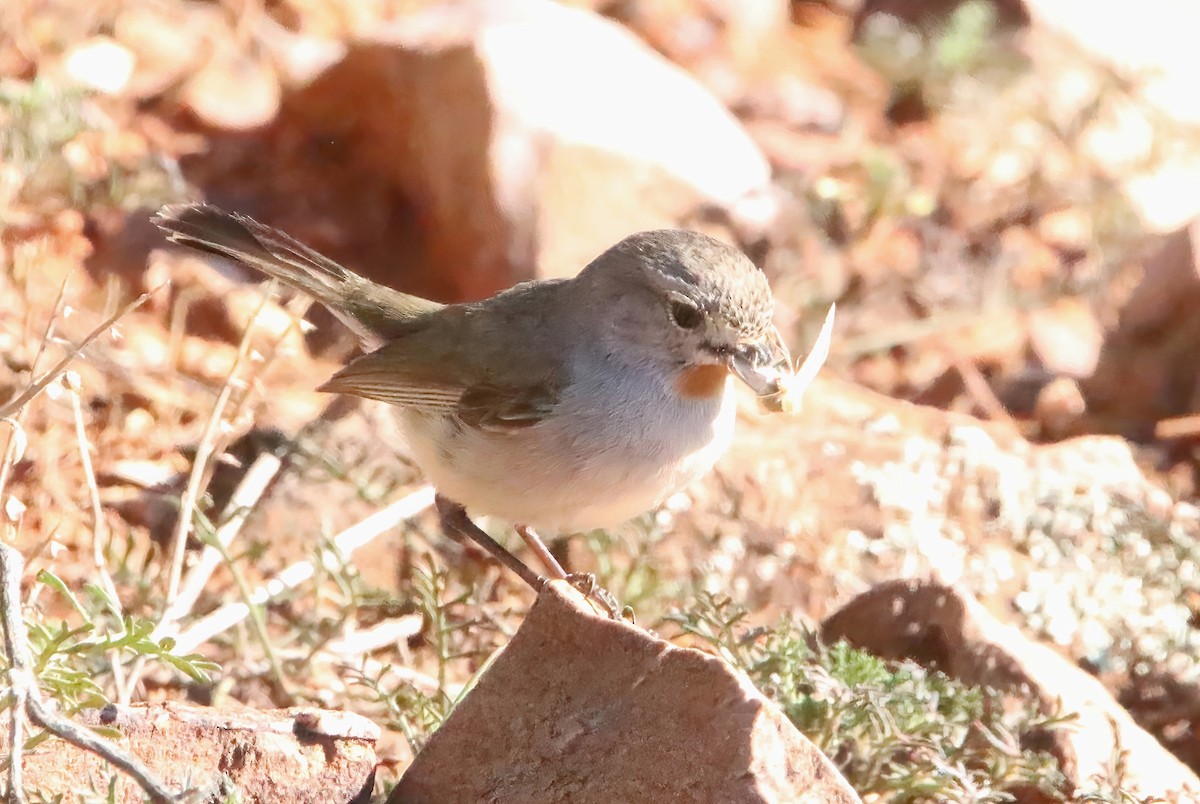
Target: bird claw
x=585, y=584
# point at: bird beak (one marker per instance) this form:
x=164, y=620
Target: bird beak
x=767, y=367
x=760, y=365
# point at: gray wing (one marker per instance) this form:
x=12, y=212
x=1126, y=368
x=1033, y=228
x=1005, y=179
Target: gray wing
x=496, y=365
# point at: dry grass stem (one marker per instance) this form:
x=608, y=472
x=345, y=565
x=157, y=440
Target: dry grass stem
x=13, y=452
x=99, y=526
x=206, y=451
x=21, y=399
x=100, y=534
x=391, y=676
x=1178, y=427
x=344, y=543
x=249, y=491
x=377, y=637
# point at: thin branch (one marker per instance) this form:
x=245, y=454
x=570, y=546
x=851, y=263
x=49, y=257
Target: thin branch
x=56, y=310
x=14, y=450
x=27, y=698
x=16, y=733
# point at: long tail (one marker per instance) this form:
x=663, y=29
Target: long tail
x=370, y=309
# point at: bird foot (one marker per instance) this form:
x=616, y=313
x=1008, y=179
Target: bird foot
x=585, y=584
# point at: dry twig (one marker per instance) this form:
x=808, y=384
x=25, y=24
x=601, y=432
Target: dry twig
x=980, y=391
x=19, y=401
x=1178, y=427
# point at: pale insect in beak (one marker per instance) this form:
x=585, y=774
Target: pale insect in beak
x=767, y=367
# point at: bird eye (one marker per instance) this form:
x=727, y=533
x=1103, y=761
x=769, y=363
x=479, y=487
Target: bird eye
x=685, y=314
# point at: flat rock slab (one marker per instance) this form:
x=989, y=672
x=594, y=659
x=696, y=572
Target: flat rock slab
x=293, y=755
x=582, y=708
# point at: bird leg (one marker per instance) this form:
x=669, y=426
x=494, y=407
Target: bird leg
x=535, y=543
x=584, y=583
x=454, y=520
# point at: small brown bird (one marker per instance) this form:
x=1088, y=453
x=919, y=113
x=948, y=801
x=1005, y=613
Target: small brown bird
x=564, y=404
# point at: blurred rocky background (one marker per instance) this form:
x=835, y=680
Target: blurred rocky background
x=1000, y=196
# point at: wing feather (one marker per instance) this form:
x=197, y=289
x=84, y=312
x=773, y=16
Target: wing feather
x=487, y=406
x=387, y=384
x=462, y=362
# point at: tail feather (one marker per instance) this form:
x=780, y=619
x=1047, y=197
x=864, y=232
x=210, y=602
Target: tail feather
x=370, y=309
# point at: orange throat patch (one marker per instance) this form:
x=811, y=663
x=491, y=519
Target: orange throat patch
x=702, y=382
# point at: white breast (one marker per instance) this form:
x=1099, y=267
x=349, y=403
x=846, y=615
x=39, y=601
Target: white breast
x=614, y=449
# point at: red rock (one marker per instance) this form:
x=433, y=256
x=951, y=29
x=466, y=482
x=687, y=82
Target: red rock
x=1059, y=408
x=581, y=708
x=1066, y=337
